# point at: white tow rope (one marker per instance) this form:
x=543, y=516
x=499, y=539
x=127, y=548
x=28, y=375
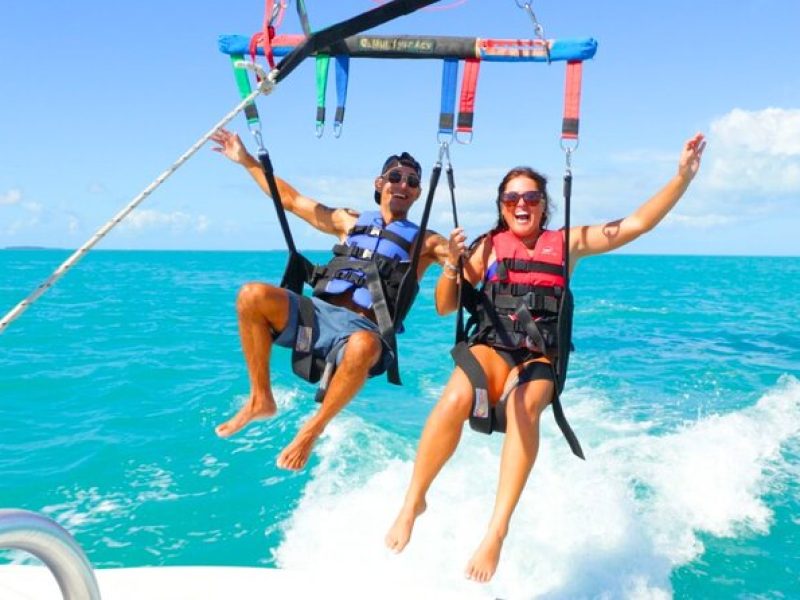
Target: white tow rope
x=266, y=85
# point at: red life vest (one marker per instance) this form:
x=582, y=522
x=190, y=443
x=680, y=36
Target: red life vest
x=515, y=264
x=521, y=294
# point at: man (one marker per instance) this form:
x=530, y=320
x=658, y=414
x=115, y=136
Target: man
x=345, y=329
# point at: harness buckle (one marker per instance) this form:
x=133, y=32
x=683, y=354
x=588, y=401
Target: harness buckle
x=367, y=253
x=305, y=336
x=375, y=231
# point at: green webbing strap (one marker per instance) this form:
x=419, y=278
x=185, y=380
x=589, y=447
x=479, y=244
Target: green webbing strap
x=303, y=14
x=323, y=62
x=245, y=89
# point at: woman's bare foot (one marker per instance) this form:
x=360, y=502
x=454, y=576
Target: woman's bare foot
x=295, y=456
x=254, y=409
x=400, y=532
x=483, y=564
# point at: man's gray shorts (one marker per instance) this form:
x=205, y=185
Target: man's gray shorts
x=333, y=325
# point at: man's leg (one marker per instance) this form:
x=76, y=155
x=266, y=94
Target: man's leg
x=262, y=309
x=361, y=352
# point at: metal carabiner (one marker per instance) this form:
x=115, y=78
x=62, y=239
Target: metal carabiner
x=568, y=150
x=444, y=138
x=444, y=152
x=276, y=11
x=537, y=27
x=255, y=129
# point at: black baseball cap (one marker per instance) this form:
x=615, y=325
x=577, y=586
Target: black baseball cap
x=404, y=160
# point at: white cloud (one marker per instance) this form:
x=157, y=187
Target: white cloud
x=201, y=224
x=176, y=221
x=29, y=221
x=756, y=152
x=12, y=196
x=707, y=221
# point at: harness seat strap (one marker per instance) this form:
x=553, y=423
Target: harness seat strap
x=304, y=363
x=481, y=416
x=386, y=325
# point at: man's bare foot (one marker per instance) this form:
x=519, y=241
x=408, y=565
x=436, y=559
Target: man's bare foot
x=295, y=456
x=252, y=410
x=400, y=532
x=483, y=564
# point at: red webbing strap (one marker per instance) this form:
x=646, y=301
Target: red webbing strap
x=572, y=100
x=466, y=105
x=259, y=39
x=264, y=37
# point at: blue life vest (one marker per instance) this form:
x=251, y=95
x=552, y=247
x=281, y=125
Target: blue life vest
x=370, y=242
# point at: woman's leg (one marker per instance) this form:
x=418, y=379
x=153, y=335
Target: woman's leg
x=440, y=438
x=520, y=447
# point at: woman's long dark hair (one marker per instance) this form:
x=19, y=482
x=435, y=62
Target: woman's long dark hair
x=541, y=183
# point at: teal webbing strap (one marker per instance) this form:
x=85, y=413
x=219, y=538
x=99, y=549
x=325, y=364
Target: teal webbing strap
x=245, y=89
x=323, y=64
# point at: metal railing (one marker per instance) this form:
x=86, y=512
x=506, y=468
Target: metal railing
x=55, y=547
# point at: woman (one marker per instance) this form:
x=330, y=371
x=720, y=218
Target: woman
x=523, y=388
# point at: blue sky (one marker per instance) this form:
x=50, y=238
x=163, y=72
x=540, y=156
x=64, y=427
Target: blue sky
x=100, y=97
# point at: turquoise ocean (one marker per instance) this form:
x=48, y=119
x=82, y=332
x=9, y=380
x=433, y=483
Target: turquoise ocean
x=684, y=390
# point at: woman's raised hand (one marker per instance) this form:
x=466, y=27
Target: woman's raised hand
x=689, y=163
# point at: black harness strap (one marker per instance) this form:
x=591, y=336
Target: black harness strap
x=336, y=33
x=531, y=329
x=304, y=363
x=409, y=286
x=566, y=430
x=527, y=266
x=530, y=300
x=481, y=416
x=298, y=268
x=383, y=233
x=386, y=326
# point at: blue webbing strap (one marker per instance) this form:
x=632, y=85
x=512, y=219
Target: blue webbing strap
x=448, y=107
x=342, y=77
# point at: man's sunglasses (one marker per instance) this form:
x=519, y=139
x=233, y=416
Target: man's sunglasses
x=395, y=176
x=532, y=198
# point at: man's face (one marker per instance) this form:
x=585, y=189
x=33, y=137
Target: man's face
x=399, y=188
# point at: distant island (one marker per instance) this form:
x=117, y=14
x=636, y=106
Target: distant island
x=29, y=248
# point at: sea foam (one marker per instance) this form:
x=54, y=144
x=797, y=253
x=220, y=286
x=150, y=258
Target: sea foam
x=614, y=526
